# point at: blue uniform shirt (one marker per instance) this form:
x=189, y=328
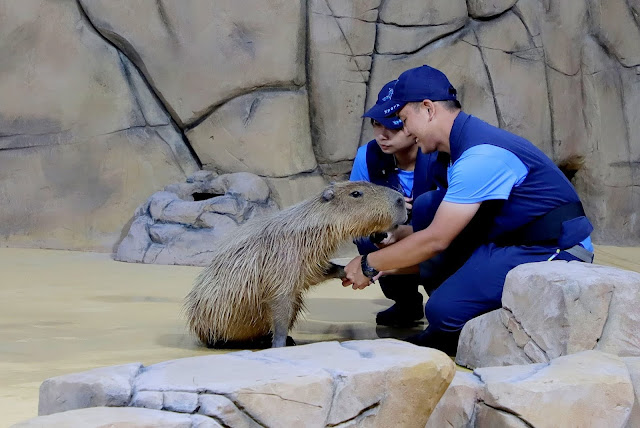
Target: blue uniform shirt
x=486, y=172
x=361, y=172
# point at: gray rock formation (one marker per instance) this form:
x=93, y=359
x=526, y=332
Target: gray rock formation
x=341, y=40
x=266, y=132
x=112, y=101
x=116, y=417
x=185, y=222
x=200, y=54
x=81, y=134
x=557, y=308
x=589, y=388
x=376, y=383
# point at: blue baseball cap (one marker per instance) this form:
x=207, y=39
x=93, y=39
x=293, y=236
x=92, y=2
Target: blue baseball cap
x=384, y=108
x=421, y=83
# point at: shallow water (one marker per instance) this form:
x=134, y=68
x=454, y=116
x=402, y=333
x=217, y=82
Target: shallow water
x=63, y=312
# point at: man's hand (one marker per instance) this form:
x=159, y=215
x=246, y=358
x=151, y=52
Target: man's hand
x=408, y=203
x=354, y=275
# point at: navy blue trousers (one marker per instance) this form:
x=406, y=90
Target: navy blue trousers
x=466, y=280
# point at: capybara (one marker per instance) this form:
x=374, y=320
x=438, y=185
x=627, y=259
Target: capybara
x=255, y=283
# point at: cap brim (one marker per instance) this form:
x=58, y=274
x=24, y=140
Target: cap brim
x=392, y=122
x=377, y=113
x=396, y=106
x=382, y=110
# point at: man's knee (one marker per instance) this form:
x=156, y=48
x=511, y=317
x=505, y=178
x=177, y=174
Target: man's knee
x=425, y=207
x=439, y=314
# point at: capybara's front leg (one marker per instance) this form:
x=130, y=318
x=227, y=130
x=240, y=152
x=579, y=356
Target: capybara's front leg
x=281, y=310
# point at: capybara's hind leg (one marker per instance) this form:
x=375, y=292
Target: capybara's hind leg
x=282, y=311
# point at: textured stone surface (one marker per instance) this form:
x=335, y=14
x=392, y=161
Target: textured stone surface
x=457, y=406
x=340, y=48
x=586, y=389
x=556, y=308
x=420, y=12
x=200, y=54
x=83, y=140
x=488, y=8
x=184, y=223
x=281, y=87
x=119, y=417
x=457, y=56
x=633, y=364
x=375, y=383
x=266, y=132
x=288, y=191
x=392, y=39
x=518, y=78
x=108, y=386
x=589, y=388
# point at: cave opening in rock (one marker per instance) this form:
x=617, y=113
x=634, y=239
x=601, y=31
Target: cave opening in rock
x=571, y=166
x=198, y=196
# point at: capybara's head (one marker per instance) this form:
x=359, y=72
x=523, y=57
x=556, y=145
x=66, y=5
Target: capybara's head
x=361, y=208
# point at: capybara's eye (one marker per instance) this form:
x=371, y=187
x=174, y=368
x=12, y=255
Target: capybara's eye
x=356, y=193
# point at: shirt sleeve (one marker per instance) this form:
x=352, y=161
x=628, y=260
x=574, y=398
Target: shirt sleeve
x=484, y=173
x=359, y=172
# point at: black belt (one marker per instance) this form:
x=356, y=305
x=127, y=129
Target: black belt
x=543, y=230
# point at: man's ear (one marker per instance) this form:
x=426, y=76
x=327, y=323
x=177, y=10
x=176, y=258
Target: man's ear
x=328, y=194
x=430, y=107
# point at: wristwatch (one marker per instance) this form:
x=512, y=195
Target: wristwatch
x=367, y=270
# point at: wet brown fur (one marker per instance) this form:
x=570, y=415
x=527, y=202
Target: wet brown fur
x=276, y=258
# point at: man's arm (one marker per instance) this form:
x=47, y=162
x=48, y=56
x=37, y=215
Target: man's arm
x=449, y=221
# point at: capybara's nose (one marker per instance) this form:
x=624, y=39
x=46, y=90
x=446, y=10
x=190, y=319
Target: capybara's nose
x=400, y=201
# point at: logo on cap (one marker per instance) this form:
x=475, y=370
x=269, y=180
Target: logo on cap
x=389, y=95
x=391, y=109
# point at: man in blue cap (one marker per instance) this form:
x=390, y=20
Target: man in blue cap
x=520, y=206
x=394, y=160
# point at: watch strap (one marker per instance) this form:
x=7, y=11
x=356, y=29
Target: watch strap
x=367, y=270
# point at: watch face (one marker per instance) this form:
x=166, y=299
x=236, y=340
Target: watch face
x=366, y=269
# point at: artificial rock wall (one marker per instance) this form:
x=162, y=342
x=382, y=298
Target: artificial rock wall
x=106, y=102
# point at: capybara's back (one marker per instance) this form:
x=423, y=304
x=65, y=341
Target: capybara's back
x=259, y=273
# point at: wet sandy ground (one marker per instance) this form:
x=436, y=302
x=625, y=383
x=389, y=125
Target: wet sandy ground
x=63, y=312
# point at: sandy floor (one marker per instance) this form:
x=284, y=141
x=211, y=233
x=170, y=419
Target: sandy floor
x=63, y=312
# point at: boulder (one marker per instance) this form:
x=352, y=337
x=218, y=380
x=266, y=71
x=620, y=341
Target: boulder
x=420, y=12
x=511, y=56
x=288, y=191
x=376, y=383
x=264, y=132
x=551, y=309
x=457, y=406
x=456, y=55
x=633, y=364
x=607, y=175
x=105, y=386
x=585, y=389
x=84, y=140
x=200, y=54
x=119, y=417
x=486, y=9
x=395, y=40
x=341, y=42
x=589, y=388
x=183, y=224
x=615, y=23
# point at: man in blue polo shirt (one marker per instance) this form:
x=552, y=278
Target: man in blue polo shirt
x=500, y=186
x=393, y=159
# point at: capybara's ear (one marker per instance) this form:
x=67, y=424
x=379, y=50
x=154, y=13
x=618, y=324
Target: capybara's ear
x=328, y=194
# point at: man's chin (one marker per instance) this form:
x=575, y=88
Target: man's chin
x=424, y=149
